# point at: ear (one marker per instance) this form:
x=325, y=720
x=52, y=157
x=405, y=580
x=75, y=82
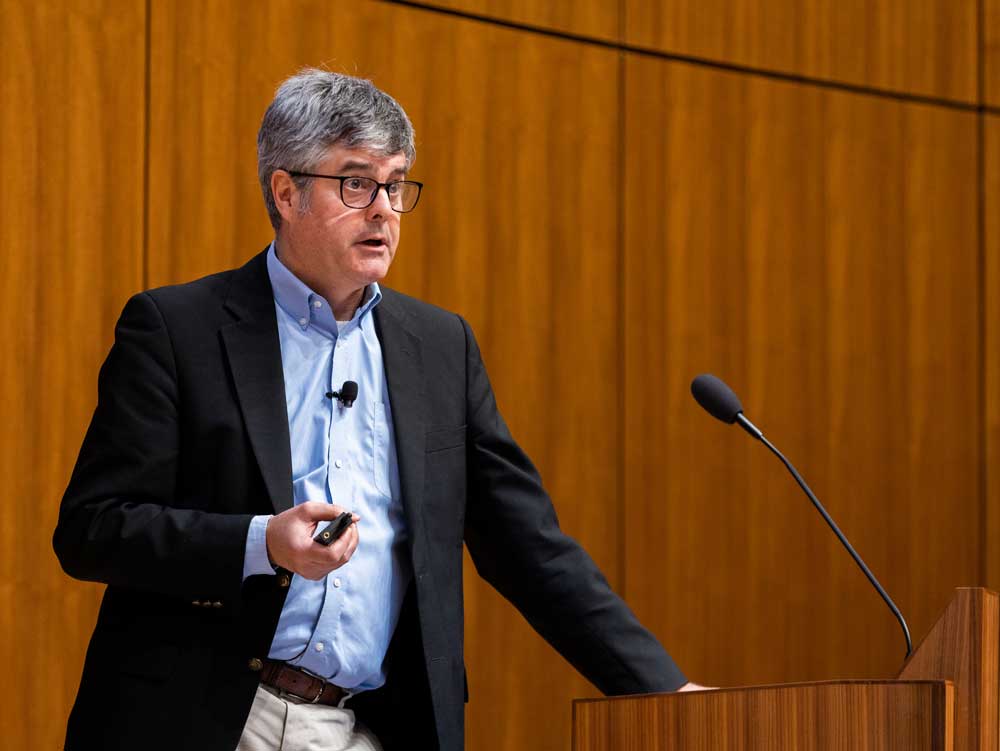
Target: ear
x=286, y=194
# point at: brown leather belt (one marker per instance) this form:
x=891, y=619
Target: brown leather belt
x=292, y=680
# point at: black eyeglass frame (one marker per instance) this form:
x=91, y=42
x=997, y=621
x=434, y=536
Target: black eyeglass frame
x=378, y=187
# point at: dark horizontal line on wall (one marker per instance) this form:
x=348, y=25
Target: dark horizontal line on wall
x=701, y=61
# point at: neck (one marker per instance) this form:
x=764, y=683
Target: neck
x=343, y=299
x=343, y=308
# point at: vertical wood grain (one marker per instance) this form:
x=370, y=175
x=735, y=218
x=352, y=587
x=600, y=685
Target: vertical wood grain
x=207, y=97
x=817, y=250
x=924, y=47
x=991, y=312
x=516, y=135
x=71, y=141
x=961, y=647
x=991, y=53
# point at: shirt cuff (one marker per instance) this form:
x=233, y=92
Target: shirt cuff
x=255, y=558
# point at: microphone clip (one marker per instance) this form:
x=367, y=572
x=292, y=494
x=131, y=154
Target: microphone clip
x=347, y=394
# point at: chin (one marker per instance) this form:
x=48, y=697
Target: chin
x=373, y=271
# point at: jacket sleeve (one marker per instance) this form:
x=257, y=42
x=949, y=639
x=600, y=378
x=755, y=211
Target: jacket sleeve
x=514, y=538
x=120, y=522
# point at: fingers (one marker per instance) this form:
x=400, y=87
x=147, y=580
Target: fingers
x=344, y=548
x=331, y=558
x=290, y=541
x=689, y=686
x=323, y=559
x=354, y=516
x=318, y=511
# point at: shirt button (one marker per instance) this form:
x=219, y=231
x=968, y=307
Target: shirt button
x=319, y=646
x=338, y=464
x=303, y=321
x=317, y=304
x=336, y=582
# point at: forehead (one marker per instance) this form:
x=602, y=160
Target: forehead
x=363, y=160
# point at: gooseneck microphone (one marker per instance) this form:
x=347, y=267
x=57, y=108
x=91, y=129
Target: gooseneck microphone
x=347, y=394
x=719, y=401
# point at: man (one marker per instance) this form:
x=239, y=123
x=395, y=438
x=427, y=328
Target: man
x=224, y=435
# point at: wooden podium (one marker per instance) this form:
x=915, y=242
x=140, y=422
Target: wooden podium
x=945, y=698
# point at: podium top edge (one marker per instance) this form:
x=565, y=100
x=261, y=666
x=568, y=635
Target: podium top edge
x=770, y=687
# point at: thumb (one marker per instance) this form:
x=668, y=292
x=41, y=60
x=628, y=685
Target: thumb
x=319, y=511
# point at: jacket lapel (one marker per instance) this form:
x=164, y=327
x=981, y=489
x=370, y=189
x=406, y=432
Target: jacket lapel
x=402, y=356
x=254, y=353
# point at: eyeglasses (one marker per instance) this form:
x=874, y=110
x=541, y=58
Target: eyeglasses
x=360, y=192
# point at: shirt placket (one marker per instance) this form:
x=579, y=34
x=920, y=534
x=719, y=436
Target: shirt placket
x=328, y=654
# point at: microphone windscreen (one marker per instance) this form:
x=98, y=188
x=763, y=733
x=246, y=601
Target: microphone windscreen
x=349, y=391
x=716, y=397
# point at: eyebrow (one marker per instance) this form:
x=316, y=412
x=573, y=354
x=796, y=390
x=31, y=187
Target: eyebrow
x=354, y=164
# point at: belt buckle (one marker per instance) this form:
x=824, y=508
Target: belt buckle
x=322, y=688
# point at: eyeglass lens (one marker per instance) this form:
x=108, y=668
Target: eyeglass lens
x=359, y=192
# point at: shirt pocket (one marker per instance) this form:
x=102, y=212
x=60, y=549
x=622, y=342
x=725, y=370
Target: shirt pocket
x=383, y=453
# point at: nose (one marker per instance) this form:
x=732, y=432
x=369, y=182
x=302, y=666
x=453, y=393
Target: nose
x=380, y=207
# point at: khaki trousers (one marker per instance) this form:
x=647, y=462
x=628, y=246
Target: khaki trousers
x=281, y=722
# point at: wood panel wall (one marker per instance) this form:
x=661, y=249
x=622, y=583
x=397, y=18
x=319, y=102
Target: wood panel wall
x=71, y=203
x=612, y=222
x=593, y=18
x=817, y=250
x=991, y=323
x=991, y=53
x=923, y=47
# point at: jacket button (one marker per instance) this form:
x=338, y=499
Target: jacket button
x=284, y=580
x=196, y=603
x=255, y=664
x=216, y=604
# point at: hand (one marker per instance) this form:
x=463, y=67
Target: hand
x=290, y=540
x=695, y=687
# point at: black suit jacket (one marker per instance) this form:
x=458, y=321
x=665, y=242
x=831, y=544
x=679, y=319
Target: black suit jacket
x=190, y=439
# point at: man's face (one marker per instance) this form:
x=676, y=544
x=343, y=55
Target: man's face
x=337, y=245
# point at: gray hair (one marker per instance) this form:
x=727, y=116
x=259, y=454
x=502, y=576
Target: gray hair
x=315, y=109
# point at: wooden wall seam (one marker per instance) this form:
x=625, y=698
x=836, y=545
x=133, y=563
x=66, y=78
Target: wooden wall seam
x=622, y=45
x=982, y=425
x=872, y=253
x=620, y=503
x=990, y=55
x=984, y=350
x=622, y=579
x=981, y=53
x=505, y=22
x=147, y=97
x=919, y=46
x=991, y=355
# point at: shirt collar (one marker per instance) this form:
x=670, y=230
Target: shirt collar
x=299, y=301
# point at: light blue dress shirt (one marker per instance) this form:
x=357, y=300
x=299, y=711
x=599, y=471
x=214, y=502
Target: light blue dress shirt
x=338, y=628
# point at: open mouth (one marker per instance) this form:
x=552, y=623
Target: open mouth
x=373, y=242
